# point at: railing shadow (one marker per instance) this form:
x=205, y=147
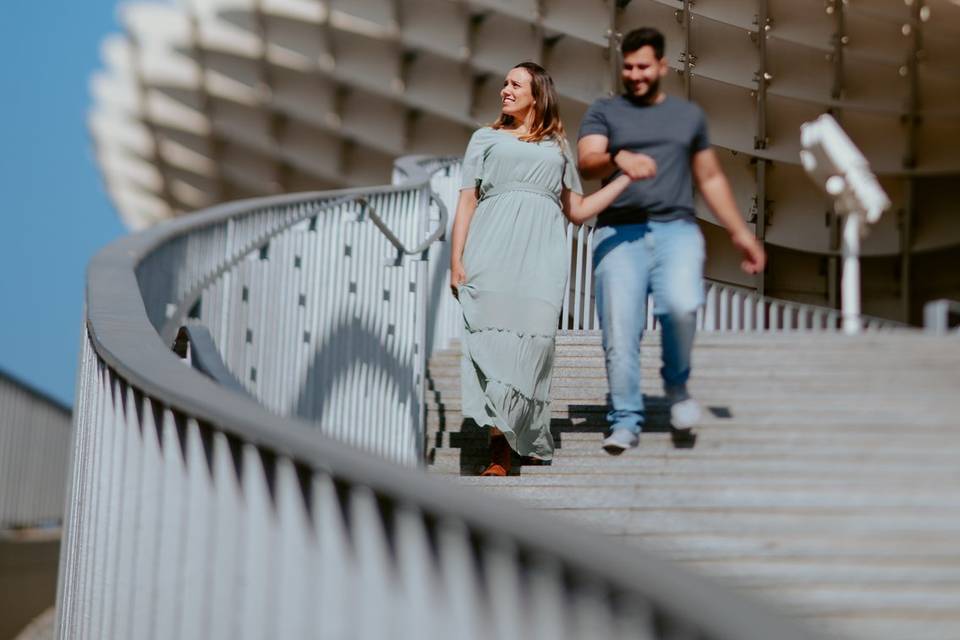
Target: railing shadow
x=331, y=365
x=472, y=440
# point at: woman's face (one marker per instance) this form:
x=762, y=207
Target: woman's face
x=516, y=97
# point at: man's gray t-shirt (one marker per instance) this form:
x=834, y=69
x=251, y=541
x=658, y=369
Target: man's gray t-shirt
x=670, y=132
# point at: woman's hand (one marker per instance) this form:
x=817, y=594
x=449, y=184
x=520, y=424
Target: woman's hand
x=466, y=207
x=457, y=277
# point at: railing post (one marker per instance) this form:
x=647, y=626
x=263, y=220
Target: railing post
x=936, y=315
x=568, y=294
x=423, y=275
x=736, y=317
x=710, y=315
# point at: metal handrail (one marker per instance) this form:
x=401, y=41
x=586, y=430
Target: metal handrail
x=125, y=351
x=437, y=233
x=181, y=308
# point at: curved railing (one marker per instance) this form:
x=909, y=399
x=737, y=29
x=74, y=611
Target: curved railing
x=197, y=511
x=726, y=308
x=34, y=445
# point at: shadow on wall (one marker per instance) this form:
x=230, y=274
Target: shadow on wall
x=438, y=289
x=338, y=361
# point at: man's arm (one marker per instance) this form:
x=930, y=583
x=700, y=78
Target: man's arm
x=595, y=161
x=716, y=191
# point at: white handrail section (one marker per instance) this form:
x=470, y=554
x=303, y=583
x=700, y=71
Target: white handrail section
x=34, y=445
x=317, y=306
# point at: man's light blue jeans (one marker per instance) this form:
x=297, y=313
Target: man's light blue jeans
x=664, y=259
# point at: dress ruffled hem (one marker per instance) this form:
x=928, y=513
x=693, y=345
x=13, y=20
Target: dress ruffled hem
x=504, y=406
x=506, y=384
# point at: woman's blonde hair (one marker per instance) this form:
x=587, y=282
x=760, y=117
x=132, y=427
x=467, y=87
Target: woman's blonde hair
x=546, y=107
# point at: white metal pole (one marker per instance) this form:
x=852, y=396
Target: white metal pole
x=850, y=280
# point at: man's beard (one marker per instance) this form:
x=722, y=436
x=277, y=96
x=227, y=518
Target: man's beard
x=653, y=88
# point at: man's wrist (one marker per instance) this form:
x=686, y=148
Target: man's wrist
x=741, y=235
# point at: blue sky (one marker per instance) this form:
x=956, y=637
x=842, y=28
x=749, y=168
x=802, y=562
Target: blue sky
x=55, y=212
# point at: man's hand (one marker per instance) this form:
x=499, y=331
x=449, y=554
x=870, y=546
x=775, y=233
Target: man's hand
x=754, y=257
x=637, y=166
x=457, y=277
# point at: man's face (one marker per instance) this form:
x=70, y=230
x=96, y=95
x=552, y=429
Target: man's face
x=641, y=73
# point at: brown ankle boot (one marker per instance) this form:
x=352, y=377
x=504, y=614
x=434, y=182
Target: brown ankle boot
x=500, y=457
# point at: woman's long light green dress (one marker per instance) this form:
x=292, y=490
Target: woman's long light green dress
x=516, y=262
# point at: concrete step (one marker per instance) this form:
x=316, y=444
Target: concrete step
x=752, y=348
x=744, y=439
x=563, y=389
x=691, y=477
x=673, y=449
x=727, y=497
x=667, y=460
x=780, y=521
x=816, y=340
x=823, y=478
x=593, y=413
x=851, y=363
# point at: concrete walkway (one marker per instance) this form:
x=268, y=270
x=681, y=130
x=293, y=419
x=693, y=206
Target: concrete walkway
x=825, y=478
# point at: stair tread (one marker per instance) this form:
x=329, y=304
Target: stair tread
x=823, y=477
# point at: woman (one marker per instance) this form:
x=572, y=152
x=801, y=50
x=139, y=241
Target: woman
x=509, y=262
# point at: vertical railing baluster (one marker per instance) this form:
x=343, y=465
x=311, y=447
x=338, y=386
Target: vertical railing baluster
x=565, y=309
x=578, y=276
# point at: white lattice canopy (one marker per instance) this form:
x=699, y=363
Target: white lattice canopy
x=204, y=101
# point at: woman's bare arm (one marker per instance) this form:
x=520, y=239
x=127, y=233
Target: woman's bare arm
x=579, y=209
x=466, y=206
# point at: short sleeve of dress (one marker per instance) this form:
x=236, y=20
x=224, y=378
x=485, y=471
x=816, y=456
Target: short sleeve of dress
x=471, y=172
x=571, y=175
x=701, y=139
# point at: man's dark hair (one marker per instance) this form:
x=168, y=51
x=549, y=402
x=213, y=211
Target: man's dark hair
x=643, y=37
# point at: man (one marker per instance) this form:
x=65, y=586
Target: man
x=648, y=240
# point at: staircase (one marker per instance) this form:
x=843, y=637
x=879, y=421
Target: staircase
x=825, y=477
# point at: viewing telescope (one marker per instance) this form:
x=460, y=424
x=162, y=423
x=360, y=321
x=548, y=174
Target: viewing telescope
x=836, y=165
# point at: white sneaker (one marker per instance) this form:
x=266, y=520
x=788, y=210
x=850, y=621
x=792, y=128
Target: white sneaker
x=619, y=441
x=685, y=415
